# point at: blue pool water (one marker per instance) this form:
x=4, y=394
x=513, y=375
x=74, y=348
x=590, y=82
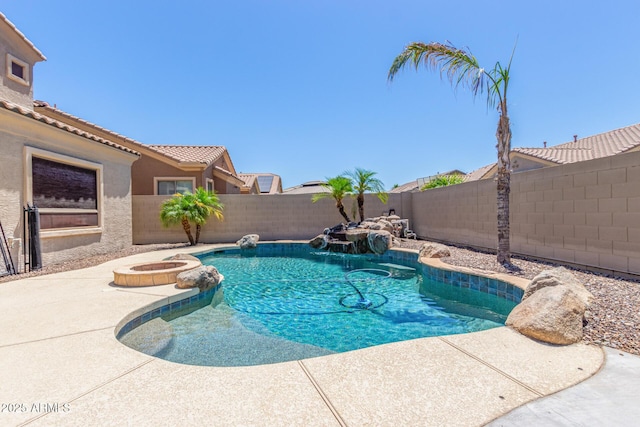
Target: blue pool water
x=300, y=303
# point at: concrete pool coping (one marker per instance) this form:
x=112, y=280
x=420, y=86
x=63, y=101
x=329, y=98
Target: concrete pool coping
x=64, y=366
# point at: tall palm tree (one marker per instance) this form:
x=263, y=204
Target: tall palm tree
x=207, y=204
x=364, y=181
x=188, y=207
x=339, y=187
x=462, y=68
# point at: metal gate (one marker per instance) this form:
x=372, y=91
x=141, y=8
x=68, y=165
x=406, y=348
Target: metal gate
x=7, y=267
x=31, y=231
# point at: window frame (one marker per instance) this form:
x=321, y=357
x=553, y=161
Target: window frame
x=213, y=187
x=25, y=80
x=31, y=152
x=158, y=179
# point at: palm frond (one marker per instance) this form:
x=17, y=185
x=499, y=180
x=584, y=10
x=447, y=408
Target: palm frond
x=459, y=66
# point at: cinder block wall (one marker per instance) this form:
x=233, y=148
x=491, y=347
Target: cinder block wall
x=586, y=213
x=273, y=217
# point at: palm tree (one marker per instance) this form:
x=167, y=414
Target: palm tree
x=188, y=207
x=339, y=187
x=462, y=68
x=207, y=204
x=363, y=181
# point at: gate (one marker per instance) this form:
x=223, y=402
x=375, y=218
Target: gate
x=7, y=267
x=31, y=231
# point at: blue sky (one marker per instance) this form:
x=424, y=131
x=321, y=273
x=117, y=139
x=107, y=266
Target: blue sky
x=299, y=88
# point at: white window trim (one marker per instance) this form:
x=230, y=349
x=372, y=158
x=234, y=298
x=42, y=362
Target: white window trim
x=157, y=179
x=10, y=60
x=213, y=187
x=61, y=158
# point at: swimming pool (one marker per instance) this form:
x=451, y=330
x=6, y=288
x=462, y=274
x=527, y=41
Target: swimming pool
x=284, y=302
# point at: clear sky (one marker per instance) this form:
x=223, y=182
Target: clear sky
x=299, y=88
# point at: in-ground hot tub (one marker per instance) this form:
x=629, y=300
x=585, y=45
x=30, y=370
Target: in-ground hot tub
x=152, y=273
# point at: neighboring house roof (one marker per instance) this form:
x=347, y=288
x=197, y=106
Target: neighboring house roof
x=579, y=150
x=592, y=147
x=418, y=183
x=60, y=125
x=478, y=173
x=266, y=183
x=409, y=186
x=183, y=156
x=22, y=37
x=310, y=187
x=205, y=154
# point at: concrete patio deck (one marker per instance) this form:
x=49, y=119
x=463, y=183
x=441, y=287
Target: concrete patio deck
x=62, y=365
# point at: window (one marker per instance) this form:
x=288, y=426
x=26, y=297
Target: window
x=210, y=187
x=171, y=186
x=67, y=191
x=17, y=70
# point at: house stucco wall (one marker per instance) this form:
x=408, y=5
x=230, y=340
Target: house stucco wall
x=11, y=90
x=16, y=132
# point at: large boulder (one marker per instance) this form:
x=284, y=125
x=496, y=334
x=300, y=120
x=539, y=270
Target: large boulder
x=558, y=276
x=552, y=314
x=250, y=241
x=552, y=309
x=386, y=225
x=319, y=242
x=358, y=237
x=379, y=241
x=434, y=250
x=204, y=277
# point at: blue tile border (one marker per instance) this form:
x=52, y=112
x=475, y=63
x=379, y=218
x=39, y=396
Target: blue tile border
x=167, y=309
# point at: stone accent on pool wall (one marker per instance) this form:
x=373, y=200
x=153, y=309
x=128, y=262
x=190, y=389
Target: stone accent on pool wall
x=373, y=235
x=250, y=241
x=552, y=309
x=204, y=278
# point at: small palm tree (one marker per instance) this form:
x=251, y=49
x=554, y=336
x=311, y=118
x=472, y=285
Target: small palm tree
x=364, y=181
x=462, y=68
x=339, y=187
x=208, y=204
x=188, y=207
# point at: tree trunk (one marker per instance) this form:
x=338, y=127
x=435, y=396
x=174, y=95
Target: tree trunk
x=187, y=229
x=504, y=185
x=198, y=228
x=340, y=207
x=361, y=206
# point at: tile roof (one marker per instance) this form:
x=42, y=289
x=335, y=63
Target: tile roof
x=181, y=153
x=248, y=178
x=592, y=147
x=478, y=173
x=205, y=154
x=44, y=106
x=60, y=125
x=310, y=187
x=409, y=186
x=22, y=36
